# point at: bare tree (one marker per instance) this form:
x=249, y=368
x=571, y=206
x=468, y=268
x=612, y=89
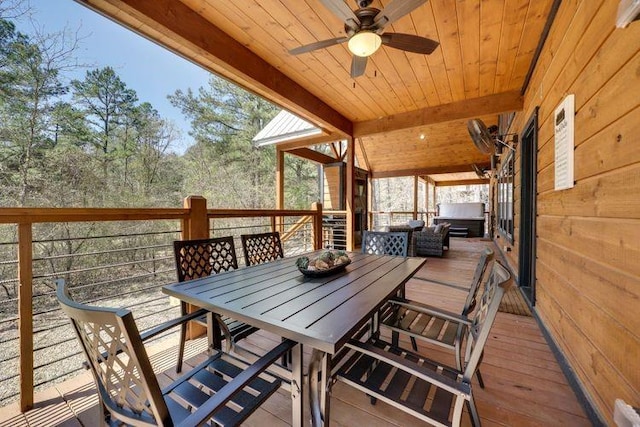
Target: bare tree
x=13, y=9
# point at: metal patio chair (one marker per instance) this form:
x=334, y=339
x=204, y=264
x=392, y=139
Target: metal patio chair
x=262, y=247
x=435, y=325
x=222, y=389
x=202, y=258
x=430, y=391
x=385, y=243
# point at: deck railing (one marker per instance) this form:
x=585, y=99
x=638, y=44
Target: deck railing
x=118, y=257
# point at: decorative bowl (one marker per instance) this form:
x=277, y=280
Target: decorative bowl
x=326, y=263
x=324, y=272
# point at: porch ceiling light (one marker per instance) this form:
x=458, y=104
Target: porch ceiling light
x=364, y=43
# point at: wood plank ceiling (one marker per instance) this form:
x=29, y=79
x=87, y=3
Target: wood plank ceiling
x=486, y=49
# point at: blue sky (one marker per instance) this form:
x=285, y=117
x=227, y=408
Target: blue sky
x=152, y=71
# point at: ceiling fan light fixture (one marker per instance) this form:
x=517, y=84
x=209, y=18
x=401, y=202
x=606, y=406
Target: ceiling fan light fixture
x=365, y=43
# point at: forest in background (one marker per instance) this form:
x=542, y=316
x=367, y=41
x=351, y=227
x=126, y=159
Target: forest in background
x=92, y=142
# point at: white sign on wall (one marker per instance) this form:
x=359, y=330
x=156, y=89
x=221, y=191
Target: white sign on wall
x=564, y=132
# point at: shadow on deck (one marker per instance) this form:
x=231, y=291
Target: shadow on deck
x=524, y=384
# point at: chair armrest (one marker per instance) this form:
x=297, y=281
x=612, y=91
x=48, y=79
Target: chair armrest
x=218, y=400
x=171, y=324
x=421, y=372
x=427, y=309
x=430, y=234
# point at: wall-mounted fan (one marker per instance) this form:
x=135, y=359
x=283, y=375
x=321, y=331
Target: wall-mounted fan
x=364, y=30
x=486, y=139
x=482, y=173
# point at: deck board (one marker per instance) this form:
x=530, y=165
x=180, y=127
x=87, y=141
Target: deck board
x=524, y=384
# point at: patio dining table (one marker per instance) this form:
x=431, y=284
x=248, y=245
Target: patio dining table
x=319, y=312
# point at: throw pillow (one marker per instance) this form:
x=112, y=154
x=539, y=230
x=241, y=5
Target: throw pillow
x=416, y=223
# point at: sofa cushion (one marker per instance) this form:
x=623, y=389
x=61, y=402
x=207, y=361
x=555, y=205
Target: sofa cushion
x=438, y=228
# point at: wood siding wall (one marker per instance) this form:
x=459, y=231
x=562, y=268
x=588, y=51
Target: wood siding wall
x=332, y=182
x=588, y=237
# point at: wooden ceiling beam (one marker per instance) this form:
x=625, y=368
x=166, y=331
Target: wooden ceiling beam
x=230, y=58
x=491, y=104
x=314, y=156
x=462, y=182
x=427, y=171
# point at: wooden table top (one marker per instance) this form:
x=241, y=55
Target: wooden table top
x=319, y=312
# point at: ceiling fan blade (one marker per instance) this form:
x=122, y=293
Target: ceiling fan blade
x=318, y=45
x=342, y=11
x=358, y=65
x=396, y=10
x=409, y=42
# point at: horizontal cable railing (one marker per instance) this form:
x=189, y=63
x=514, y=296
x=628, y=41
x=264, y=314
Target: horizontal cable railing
x=108, y=257
x=334, y=230
x=111, y=268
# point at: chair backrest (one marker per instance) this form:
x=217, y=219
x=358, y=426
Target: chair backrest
x=485, y=259
x=123, y=375
x=494, y=288
x=385, y=243
x=203, y=257
x=261, y=248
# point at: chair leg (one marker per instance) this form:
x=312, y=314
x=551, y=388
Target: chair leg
x=414, y=344
x=480, y=380
x=287, y=359
x=183, y=339
x=395, y=338
x=473, y=412
x=104, y=413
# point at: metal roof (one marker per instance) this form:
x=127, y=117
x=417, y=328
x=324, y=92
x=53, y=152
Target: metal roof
x=285, y=127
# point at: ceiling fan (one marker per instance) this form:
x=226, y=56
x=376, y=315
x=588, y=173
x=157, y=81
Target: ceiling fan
x=364, y=30
x=487, y=140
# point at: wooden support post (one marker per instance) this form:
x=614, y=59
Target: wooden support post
x=195, y=226
x=415, y=197
x=435, y=201
x=349, y=178
x=25, y=314
x=369, y=202
x=279, y=188
x=317, y=225
x=426, y=200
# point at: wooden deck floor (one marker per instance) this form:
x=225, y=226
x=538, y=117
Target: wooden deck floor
x=524, y=384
